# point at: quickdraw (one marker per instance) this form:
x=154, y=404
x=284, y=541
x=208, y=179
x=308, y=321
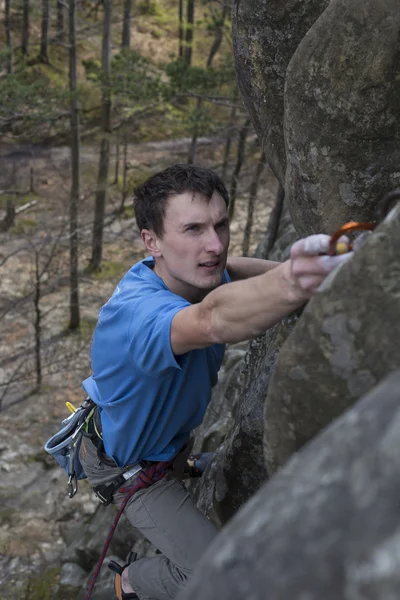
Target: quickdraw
x=384, y=207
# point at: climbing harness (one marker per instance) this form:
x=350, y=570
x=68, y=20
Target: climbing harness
x=65, y=444
x=384, y=207
x=144, y=479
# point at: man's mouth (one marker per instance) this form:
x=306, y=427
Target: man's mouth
x=211, y=264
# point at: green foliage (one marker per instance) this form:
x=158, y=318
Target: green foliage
x=27, y=100
x=185, y=78
x=92, y=69
x=135, y=78
x=110, y=269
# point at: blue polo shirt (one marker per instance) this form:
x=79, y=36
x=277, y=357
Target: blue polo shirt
x=150, y=400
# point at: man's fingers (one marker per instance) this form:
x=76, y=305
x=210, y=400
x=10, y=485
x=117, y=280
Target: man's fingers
x=317, y=265
x=311, y=245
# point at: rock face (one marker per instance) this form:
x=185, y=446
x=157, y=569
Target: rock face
x=345, y=342
x=327, y=525
x=342, y=115
x=266, y=34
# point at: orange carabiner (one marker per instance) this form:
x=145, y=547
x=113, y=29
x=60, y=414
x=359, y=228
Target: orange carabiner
x=346, y=228
x=384, y=207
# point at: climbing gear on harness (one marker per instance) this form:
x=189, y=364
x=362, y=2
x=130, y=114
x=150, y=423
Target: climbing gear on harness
x=145, y=479
x=118, y=569
x=65, y=444
x=105, y=493
x=384, y=207
x=196, y=463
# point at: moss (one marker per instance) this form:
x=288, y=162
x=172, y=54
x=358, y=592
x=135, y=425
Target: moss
x=6, y=515
x=41, y=587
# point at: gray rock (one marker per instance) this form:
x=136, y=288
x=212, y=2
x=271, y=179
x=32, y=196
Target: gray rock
x=345, y=342
x=72, y=575
x=265, y=35
x=342, y=115
x=327, y=525
x=238, y=468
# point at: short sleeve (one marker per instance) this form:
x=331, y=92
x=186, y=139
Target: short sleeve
x=150, y=332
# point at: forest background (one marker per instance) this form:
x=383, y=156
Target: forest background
x=95, y=96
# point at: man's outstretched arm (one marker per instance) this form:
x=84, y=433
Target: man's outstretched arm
x=243, y=267
x=243, y=309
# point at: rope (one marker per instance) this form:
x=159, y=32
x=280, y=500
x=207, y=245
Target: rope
x=145, y=478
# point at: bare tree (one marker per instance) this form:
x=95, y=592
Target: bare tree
x=126, y=27
x=239, y=163
x=101, y=193
x=60, y=36
x=229, y=135
x=219, y=24
x=75, y=172
x=124, y=173
x=7, y=31
x=181, y=28
x=219, y=31
x=44, y=39
x=252, y=200
x=25, y=27
x=189, y=32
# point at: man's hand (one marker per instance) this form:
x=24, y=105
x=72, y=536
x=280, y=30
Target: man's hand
x=310, y=263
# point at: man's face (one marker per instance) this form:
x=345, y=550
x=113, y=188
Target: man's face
x=191, y=255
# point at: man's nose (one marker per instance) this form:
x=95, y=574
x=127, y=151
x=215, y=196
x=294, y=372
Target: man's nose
x=214, y=243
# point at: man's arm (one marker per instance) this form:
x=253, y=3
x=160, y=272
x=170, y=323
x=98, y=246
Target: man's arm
x=243, y=309
x=242, y=267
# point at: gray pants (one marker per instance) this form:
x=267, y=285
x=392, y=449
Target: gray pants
x=166, y=515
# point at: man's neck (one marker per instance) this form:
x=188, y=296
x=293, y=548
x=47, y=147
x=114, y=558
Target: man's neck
x=186, y=291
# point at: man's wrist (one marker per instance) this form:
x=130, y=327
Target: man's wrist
x=295, y=295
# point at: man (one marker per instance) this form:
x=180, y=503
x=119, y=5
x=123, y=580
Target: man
x=159, y=344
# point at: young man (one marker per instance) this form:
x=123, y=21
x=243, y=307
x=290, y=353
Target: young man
x=157, y=349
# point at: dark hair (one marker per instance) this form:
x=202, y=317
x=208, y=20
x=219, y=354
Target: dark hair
x=151, y=197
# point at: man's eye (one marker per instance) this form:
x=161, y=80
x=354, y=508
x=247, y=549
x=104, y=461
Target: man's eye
x=193, y=228
x=223, y=225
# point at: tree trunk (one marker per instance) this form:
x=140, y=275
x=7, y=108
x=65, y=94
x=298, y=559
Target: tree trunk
x=193, y=145
x=25, y=28
x=126, y=28
x=8, y=220
x=44, y=40
x=124, y=173
x=38, y=322
x=213, y=52
x=189, y=32
x=101, y=193
x=252, y=199
x=7, y=28
x=116, y=172
x=219, y=32
x=229, y=135
x=239, y=163
x=181, y=29
x=273, y=223
x=75, y=173
x=60, y=37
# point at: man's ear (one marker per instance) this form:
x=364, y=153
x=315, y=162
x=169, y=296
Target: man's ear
x=151, y=241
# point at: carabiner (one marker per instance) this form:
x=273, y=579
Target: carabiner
x=72, y=485
x=346, y=228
